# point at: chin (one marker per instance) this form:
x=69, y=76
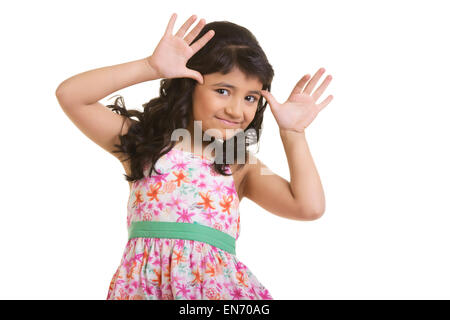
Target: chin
x=218, y=136
x=220, y=132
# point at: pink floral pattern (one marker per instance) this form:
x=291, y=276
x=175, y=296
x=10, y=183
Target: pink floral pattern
x=188, y=190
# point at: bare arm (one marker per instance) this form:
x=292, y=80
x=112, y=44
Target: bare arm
x=93, y=85
x=305, y=182
x=78, y=96
x=302, y=197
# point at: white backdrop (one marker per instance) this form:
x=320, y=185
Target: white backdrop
x=380, y=146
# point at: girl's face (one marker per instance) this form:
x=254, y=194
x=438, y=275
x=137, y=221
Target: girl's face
x=231, y=97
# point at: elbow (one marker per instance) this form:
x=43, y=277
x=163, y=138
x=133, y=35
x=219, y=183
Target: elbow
x=58, y=91
x=58, y=94
x=318, y=211
x=317, y=214
x=310, y=214
x=62, y=97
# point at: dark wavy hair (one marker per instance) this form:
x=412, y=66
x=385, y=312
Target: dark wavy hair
x=149, y=137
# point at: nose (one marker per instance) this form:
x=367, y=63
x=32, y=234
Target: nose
x=234, y=111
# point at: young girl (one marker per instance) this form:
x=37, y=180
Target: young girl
x=183, y=208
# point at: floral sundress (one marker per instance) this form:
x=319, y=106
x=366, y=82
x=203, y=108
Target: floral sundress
x=188, y=191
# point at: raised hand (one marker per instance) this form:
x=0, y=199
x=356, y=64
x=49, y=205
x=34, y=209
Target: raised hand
x=300, y=109
x=173, y=51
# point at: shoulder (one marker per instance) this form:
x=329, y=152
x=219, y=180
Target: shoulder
x=127, y=123
x=256, y=174
x=251, y=167
x=242, y=168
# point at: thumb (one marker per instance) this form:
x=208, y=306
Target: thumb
x=273, y=103
x=195, y=75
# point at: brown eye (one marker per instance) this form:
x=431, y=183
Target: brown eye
x=221, y=89
x=254, y=98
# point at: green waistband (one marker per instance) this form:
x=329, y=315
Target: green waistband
x=182, y=230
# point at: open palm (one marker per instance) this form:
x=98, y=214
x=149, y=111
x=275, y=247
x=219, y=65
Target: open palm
x=173, y=51
x=300, y=109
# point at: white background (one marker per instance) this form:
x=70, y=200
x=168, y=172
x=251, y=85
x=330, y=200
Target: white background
x=381, y=146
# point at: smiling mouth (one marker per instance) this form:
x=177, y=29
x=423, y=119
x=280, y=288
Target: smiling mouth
x=228, y=122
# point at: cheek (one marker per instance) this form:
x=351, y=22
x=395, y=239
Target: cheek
x=249, y=116
x=206, y=108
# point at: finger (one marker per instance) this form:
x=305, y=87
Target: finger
x=169, y=28
x=299, y=86
x=310, y=86
x=270, y=98
x=321, y=88
x=325, y=102
x=184, y=28
x=202, y=41
x=194, y=32
x=195, y=75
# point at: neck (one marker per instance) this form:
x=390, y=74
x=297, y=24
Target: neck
x=189, y=145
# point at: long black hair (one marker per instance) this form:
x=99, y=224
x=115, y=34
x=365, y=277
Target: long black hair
x=149, y=137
